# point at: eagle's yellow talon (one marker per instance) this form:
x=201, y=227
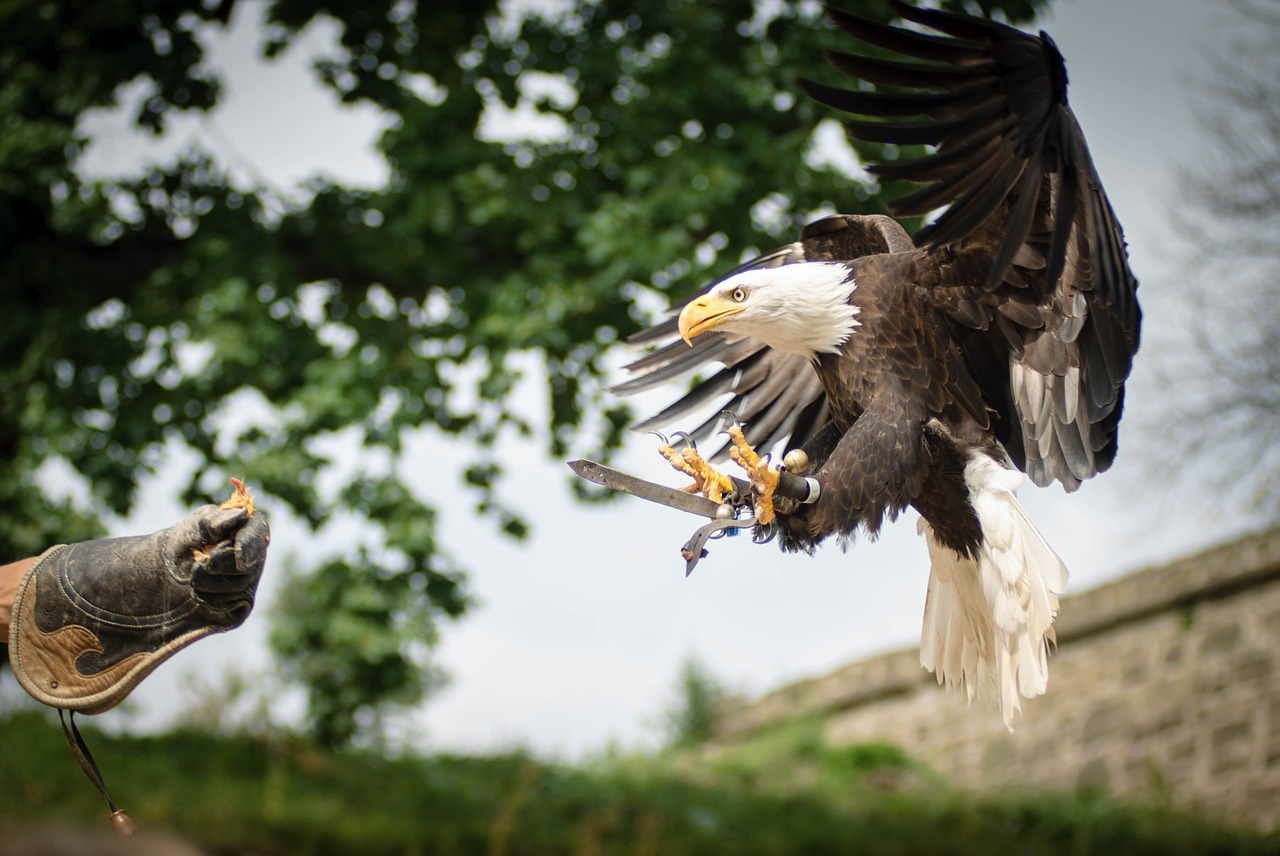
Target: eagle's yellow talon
x=707, y=480
x=677, y=462
x=764, y=478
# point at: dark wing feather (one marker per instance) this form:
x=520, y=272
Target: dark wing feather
x=1035, y=275
x=767, y=390
x=778, y=397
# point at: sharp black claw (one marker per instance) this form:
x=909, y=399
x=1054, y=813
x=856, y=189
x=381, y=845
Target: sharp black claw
x=684, y=435
x=731, y=418
x=662, y=437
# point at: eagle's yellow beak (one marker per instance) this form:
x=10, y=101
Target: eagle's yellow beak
x=706, y=313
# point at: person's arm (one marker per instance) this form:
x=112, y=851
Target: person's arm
x=93, y=618
x=10, y=576
x=87, y=621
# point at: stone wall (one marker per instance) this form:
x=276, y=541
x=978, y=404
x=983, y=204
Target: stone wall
x=1166, y=683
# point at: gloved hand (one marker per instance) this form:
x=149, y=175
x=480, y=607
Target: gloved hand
x=91, y=620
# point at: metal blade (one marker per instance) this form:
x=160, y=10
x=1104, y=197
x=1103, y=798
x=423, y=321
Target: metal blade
x=647, y=490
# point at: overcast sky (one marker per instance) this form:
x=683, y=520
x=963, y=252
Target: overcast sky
x=579, y=633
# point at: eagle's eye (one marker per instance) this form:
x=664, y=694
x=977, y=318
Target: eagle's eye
x=738, y=295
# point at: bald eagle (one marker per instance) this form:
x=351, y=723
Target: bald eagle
x=933, y=371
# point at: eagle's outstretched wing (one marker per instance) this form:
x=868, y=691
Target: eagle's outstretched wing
x=1046, y=304
x=1027, y=260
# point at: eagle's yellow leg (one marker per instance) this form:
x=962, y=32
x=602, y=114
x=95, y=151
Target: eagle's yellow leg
x=707, y=480
x=764, y=478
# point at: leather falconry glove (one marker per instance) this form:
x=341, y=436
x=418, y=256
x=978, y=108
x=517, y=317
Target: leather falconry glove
x=92, y=619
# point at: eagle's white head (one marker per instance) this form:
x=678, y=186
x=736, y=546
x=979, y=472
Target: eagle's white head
x=801, y=308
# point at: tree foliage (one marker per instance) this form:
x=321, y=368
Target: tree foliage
x=695, y=713
x=176, y=308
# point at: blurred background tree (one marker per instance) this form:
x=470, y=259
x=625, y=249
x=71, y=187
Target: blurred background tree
x=1223, y=426
x=695, y=711
x=180, y=308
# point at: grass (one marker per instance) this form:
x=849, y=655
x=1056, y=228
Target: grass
x=781, y=793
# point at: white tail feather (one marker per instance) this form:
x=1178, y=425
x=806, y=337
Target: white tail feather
x=988, y=620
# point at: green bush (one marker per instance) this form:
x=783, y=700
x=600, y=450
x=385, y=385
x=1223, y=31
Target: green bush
x=268, y=796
